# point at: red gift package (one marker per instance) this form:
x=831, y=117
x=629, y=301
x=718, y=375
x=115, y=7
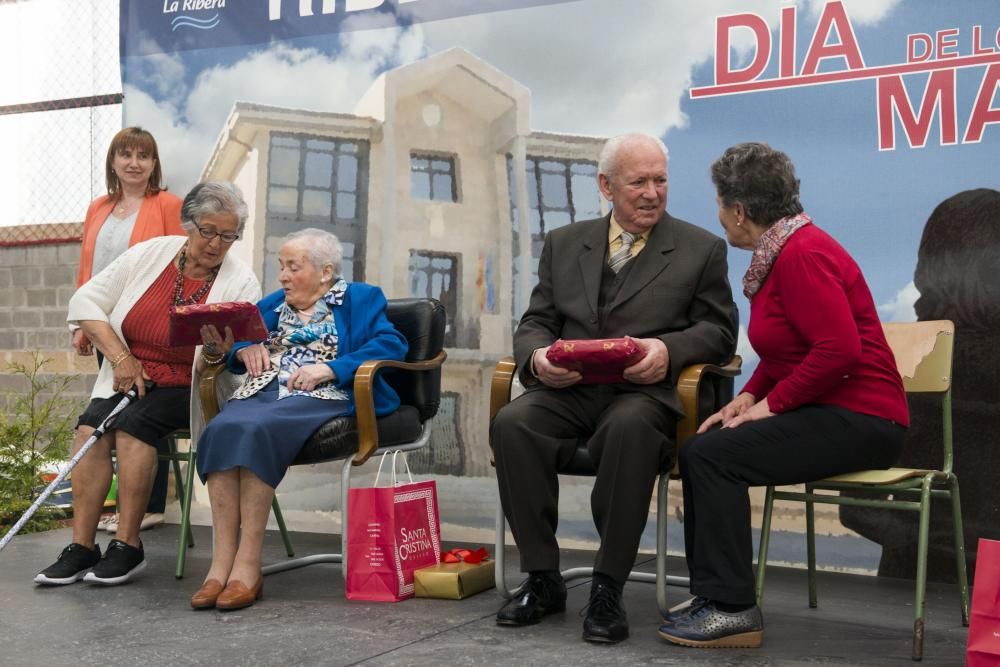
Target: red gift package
x=242, y=317
x=600, y=361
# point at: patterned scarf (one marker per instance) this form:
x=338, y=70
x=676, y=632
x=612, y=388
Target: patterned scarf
x=295, y=344
x=766, y=250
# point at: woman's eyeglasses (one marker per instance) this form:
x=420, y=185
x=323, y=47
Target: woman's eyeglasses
x=209, y=234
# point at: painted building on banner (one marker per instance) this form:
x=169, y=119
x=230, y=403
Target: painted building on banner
x=423, y=183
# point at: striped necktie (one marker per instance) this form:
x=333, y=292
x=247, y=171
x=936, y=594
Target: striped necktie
x=624, y=253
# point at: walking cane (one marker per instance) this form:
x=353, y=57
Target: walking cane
x=95, y=436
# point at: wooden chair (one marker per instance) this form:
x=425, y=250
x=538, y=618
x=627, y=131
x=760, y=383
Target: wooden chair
x=703, y=389
x=417, y=381
x=923, y=352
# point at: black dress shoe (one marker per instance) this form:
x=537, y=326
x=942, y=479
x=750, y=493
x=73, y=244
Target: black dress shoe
x=537, y=597
x=606, y=621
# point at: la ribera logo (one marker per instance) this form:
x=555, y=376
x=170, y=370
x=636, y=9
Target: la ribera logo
x=193, y=22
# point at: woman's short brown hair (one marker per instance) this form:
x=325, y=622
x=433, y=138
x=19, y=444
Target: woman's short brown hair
x=135, y=138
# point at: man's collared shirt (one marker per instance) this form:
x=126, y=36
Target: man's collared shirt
x=615, y=242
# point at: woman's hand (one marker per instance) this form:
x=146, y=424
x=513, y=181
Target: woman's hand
x=255, y=358
x=213, y=344
x=759, y=410
x=82, y=344
x=307, y=378
x=730, y=411
x=129, y=372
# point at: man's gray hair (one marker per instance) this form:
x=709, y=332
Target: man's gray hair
x=322, y=248
x=607, y=163
x=211, y=198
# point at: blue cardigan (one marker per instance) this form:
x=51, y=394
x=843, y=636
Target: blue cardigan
x=363, y=333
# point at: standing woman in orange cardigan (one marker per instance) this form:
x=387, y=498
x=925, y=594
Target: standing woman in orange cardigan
x=137, y=208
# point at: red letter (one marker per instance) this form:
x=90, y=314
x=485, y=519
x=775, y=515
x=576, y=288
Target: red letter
x=786, y=61
x=944, y=43
x=833, y=16
x=977, y=37
x=723, y=26
x=911, y=47
x=983, y=113
x=940, y=92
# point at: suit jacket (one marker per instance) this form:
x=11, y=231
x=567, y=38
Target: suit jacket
x=677, y=290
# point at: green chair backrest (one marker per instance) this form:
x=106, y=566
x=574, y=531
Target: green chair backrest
x=923, y=352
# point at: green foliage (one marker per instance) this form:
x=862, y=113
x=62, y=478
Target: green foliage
x=36, y=431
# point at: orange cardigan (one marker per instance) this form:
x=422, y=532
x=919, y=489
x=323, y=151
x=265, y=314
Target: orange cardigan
x=159, y=215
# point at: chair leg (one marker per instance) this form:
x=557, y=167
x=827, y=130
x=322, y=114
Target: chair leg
x=185, y=515
x=661, y=544
x=921, y=583
x=179, y=482
x=956, y=519
x=765, y=536
x=811, y=548
x=499, y=571
x=281, y=526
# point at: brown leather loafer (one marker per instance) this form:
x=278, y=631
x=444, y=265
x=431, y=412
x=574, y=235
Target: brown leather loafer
x=206, y=596
x=237, y=596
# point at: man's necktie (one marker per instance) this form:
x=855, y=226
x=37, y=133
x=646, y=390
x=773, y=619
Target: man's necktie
x=624, y=252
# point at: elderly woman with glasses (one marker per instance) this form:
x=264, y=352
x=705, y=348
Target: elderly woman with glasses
x=322, y=328
x=124, y=310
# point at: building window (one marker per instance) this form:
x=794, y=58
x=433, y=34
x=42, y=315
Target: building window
x=444, y=455
x=433, y=177
x=560, y=192
x=435, y=275
x=318, y=182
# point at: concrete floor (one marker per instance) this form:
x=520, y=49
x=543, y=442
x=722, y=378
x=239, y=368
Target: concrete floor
x=304, y=619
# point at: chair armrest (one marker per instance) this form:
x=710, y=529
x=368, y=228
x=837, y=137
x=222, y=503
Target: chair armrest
x=206, y=388
x=364, y=399
x=503, y=379
x=688, y=387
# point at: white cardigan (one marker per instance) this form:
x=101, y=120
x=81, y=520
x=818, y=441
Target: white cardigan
x=111, y=294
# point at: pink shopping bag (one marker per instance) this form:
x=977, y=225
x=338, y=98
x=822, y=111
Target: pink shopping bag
x=983, y=649
x=391, y=531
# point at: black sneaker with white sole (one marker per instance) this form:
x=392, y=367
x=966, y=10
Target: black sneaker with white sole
x=121, y=563
x=74, y=562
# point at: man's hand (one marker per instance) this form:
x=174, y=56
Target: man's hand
x=550, y=374
x=652, y=368
x=82, y=344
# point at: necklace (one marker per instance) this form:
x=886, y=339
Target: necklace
x=125, y=206
x=179, y=299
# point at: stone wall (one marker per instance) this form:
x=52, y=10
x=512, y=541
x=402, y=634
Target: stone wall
x=37, y=279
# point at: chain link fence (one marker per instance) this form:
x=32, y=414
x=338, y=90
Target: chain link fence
x=60, y=105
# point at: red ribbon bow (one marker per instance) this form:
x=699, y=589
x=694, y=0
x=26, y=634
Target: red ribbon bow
x=465, y=556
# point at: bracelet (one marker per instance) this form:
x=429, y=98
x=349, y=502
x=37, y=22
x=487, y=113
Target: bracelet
x=213, y=361
x=122, y=357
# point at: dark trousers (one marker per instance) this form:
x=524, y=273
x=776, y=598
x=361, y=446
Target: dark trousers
x=718, y=467
x=629, y=438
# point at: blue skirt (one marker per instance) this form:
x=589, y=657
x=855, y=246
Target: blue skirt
x=263, y=434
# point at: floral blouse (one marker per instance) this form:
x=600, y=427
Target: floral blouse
x=295, y=344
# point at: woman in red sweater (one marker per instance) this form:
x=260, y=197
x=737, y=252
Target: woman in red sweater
x=825, y=399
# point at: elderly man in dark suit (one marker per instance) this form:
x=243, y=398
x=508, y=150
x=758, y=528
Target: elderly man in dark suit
x=638, y=272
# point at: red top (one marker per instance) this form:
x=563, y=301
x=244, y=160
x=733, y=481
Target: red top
x=817, y=332
x=146, y=329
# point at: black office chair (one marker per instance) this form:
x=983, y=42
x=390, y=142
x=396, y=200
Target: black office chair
x=417, y=381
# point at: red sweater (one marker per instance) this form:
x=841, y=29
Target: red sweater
x=817, y=332
x=147, y=331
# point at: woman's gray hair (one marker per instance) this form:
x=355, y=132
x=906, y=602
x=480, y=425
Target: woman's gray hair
x=607, y=163
x=322, y=248
x=759, y=177
x=211, y=198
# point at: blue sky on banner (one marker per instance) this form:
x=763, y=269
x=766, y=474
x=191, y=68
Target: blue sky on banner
x=631, y=66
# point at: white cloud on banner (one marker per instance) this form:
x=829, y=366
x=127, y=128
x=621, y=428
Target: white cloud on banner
x=628, y=65
x=743, y=349
x=900, y=309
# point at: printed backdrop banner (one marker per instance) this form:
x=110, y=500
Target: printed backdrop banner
x=441, y=139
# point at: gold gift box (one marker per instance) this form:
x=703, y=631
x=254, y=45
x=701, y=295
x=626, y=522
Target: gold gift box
x=453, y=581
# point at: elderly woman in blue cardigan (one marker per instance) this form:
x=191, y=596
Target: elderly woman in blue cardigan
x=322, y=329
